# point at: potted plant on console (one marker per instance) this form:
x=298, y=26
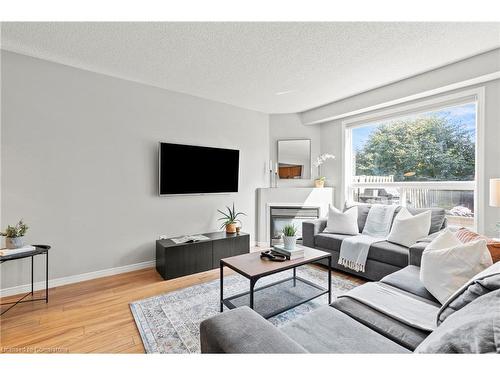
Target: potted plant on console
x=14, y=235
x=289, y=236
x=230, y=219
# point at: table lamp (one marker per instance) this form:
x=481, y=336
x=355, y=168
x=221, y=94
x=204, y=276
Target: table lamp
x=495, y=196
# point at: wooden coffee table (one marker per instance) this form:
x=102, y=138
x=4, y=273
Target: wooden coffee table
x=254, y=268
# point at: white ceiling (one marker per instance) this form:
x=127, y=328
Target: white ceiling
x=247, y=64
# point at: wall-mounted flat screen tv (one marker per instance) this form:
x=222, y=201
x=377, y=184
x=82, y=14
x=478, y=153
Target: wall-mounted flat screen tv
x=185, y=169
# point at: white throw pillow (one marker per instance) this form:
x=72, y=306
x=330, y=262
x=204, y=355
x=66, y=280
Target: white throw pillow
x=444, y=268
x=444, y=239
x=342, y=222
x=407, y=229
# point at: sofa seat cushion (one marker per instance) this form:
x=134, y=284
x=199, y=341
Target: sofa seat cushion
x=330, y=241
x=408, y=279
x=397, y=331
x=328, y=330
x=390, y=253
x=384, y=252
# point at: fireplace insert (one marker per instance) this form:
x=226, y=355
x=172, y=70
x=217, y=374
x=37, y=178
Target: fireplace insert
x=295, y=215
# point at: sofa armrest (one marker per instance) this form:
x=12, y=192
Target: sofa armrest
x=415, y=253
x=242, y=330
x=310, y=229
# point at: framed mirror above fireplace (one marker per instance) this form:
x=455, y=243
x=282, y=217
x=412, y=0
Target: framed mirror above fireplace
x=294, y=159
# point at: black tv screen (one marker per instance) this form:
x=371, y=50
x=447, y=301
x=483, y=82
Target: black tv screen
x=185, y=169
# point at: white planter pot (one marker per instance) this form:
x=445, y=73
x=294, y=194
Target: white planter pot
x=290, y=242
x=14, y=242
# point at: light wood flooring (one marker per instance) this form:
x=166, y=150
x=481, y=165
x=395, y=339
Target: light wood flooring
x=91, y=316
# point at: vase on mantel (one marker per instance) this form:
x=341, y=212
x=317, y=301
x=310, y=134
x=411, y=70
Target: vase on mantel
x=319, y=182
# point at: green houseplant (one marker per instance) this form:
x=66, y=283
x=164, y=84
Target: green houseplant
x=14, y=235
x=289, y=236
x=229, y=219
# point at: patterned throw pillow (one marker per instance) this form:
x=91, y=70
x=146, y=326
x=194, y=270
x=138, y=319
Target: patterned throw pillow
x=465, y=235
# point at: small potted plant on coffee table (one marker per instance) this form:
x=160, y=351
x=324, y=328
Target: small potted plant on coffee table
x=14, y=235
x=289, y=236
x=230, y=219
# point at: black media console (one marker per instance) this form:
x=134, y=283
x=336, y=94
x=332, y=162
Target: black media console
x=175, y=260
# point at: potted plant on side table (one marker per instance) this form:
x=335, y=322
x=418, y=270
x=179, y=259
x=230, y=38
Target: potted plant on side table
x=289, y=236
x=14, y=235
x=230, y=219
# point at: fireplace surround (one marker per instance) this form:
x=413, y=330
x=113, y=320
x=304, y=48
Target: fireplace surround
x=288, y=197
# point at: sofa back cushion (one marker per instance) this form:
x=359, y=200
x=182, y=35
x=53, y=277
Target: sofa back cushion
x=473, y=329
x=438, y=218
x=465, y=235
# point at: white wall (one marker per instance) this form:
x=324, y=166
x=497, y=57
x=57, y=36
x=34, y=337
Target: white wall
x=289, y=126
x=79, y=164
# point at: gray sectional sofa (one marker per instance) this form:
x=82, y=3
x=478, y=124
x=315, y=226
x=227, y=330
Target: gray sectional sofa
x=469, y=324
x=384, y=257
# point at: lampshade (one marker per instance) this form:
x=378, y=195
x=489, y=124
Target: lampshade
x=495, y=192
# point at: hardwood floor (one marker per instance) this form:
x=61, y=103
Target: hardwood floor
x=91, y=316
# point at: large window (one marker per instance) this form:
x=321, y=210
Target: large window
x=422, y=158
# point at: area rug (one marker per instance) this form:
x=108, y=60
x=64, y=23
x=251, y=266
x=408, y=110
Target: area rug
x=169, y=323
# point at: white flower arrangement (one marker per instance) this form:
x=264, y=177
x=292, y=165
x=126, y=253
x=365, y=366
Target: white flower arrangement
x=322, y=158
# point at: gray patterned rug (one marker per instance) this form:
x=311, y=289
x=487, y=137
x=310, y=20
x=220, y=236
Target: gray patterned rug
x=169, y=323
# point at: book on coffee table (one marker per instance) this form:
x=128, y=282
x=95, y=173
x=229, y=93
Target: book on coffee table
x=298, y=252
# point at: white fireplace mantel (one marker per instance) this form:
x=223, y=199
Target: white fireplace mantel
x=292, y=197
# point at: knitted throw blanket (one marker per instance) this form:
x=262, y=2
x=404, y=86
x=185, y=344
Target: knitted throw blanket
x=354, y=250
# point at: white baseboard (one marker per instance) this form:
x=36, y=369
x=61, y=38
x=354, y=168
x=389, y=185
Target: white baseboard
x=39, y=285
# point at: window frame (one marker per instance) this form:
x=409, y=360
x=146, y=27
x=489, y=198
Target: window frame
x=420, y=106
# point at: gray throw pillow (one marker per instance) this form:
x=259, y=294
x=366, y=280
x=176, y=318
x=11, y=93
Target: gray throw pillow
x=475, y=290
x=473, y=329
